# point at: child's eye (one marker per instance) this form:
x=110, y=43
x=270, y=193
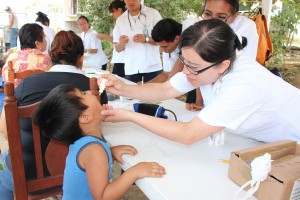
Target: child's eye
x=84, y=93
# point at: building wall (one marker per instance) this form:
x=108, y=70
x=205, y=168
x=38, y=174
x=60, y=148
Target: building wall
x=70, y=17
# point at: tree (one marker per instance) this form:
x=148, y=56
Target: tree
x=284, y=26
x=97, y=11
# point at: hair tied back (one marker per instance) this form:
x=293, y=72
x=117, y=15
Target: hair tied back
x=240, y=41
x=41, y=14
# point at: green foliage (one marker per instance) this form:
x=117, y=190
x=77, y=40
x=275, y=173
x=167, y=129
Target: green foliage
x=97, y=12
x=176, y=9
x=284, y=26
x=106, y=44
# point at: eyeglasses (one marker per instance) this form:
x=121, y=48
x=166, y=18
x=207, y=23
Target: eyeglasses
x=208, y=15
x=191, y=68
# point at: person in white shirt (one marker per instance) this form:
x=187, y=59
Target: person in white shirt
x=94, y=55
x=132, y=33
x=247, y=99
x=116, y=9
x=12, y=27
x=166, y=33
x=227, y=10
x=44, y=22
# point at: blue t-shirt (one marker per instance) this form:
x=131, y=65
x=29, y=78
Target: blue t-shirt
x=75, y=181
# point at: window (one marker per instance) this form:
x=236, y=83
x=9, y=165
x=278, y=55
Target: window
x=74, y=7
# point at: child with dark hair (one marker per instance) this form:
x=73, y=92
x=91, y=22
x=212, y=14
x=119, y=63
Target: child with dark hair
x=70, y=115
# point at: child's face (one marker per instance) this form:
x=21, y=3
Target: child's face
x=91, y=101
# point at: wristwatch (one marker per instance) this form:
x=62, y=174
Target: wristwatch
x=146, y=39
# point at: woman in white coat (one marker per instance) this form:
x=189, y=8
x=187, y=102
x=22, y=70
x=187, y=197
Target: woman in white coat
x=246, y=98
x=94, y=55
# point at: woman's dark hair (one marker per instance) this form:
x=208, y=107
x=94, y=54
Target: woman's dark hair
x=29, y=33
x=233, y=3
x=213, y=40
x=58, y=114
x=42, y=17
x=115, y=5
x=66, y=48
x=83, y=17
x=166, y=29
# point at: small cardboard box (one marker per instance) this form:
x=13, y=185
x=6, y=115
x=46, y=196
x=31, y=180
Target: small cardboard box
x=283, y=182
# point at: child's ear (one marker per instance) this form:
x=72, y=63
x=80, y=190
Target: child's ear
x=85, y=118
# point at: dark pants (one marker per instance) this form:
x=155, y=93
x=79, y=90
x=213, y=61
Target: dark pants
x=142, y=76
x=119, y=69
x=191, y=97
x=104, y=67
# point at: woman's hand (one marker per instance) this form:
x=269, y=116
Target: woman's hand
x=118, y=151
x=117, y=115
x=113, y=84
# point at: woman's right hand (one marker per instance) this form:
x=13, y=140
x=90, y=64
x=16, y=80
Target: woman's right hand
x=113, y=84
x=148, y=169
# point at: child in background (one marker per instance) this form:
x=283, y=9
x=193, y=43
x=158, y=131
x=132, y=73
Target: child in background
x=70, y=115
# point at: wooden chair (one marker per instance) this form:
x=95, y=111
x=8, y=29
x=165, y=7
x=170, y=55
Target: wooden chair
x=24, y=188
x=55, y=155
x=12, y=75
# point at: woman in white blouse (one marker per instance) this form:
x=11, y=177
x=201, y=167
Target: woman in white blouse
x=246, y=98
x=94, y=55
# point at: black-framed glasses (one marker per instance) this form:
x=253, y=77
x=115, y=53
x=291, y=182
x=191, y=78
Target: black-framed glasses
x=208, y=15
x=192, y=68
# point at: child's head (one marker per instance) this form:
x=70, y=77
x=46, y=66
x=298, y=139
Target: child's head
x=65, y=111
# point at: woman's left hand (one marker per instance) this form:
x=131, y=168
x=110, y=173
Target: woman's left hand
x=118, y=151
x=117, y=115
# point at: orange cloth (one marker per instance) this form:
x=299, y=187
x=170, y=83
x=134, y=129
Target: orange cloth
x=27, y=59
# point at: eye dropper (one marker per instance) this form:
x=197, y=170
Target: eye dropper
x=102, y=86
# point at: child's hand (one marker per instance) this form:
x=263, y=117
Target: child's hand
x=148, y=169
x=118, y=151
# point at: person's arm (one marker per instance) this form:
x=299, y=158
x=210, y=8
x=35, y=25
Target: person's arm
x=92, y=51
x=147, y=92
x=164, y=76
x=95, y=44
x=3, y=128
x=194, y=130
x=103, y=36
x=118, y=39
x=92, y=159
x=122, y=42
x=140, y=38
